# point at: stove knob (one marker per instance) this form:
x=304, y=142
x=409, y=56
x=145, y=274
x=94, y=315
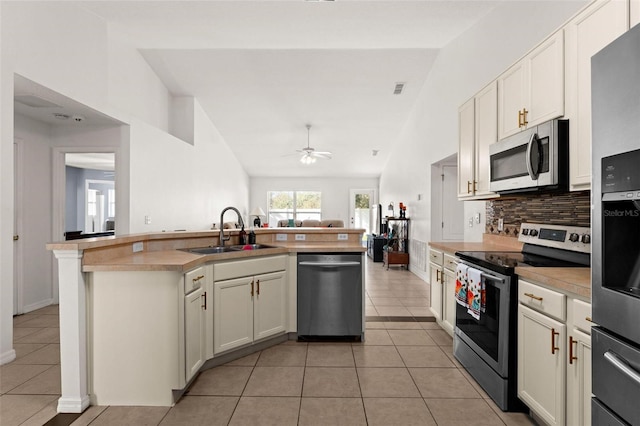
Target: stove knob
x=574, y=237
x=586, y=238
x=525, y=231
x=533, y=232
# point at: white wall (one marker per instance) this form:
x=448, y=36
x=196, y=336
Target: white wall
x=335, y=192
x=461, y=69
x=62, y=47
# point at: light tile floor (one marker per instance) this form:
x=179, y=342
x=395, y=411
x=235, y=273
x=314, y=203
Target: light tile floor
x=404, y=374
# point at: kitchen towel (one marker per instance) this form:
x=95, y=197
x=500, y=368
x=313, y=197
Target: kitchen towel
x=474, y=292
x=461, y=284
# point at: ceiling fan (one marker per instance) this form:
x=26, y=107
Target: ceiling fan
x=309, y=155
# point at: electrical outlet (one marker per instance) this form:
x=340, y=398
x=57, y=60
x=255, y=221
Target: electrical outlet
x=139, y=246
x=343, y=237
x=301, y=237
x=471, y=222
x=147, y=220
x=281, y=237
x=500, y=224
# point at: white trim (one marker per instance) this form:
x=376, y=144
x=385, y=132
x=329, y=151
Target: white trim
x=7, y=357
x=38, y=305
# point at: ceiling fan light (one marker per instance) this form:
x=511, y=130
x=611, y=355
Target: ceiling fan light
x=307, y=159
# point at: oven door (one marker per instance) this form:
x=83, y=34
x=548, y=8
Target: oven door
x=489, y=336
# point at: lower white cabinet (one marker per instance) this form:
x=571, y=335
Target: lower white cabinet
x=541, y=364
x=443, y=284
x=248, y=308
x=554, y=355
x=195, y=306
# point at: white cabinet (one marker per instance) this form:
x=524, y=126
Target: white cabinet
x=478, y=128
x=195, y=306
x=250, y=302
x=554, y=355
x=532, y=91
x=541, y=364
x=443, y=282
x=466, y=142
x=634, y=10
x=586, y=34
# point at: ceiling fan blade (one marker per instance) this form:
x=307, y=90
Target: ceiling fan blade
x=323, y=155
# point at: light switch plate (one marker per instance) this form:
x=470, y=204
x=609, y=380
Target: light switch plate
x=301, y=237
x=139, y=246
x=281, y=237
x=343, y=237
x=477, y=216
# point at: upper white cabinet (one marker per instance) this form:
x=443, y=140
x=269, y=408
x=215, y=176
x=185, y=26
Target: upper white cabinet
x=478, y=123
x=634, y=10
x=532, y=91
x=586, y=34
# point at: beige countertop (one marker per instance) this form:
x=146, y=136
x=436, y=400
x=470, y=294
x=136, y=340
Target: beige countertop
x=572, y=280
x=161, y=251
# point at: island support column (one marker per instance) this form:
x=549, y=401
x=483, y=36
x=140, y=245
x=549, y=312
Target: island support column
x=73, y=332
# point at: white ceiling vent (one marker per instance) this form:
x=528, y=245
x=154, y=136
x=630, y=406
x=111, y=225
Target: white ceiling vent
x=398, y=89
x=35, y=101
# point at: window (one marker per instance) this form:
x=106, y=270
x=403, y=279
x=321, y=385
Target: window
x=111, y=194
x=297, y=205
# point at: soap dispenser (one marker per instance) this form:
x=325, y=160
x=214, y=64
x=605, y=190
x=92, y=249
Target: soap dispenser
x=252, y=236
x=243, y=236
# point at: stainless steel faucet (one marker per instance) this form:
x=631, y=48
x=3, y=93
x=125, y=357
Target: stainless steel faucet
x=222, y=237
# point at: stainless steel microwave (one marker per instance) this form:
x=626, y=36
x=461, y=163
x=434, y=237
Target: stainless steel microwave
x=536, y=159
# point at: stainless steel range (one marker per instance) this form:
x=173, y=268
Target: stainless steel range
x=485, y=340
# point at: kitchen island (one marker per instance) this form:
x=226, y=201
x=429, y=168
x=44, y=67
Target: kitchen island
x=140, y=315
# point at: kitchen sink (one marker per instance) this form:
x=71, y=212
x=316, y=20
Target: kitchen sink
x=249, y=247
x=209, y=250
x=225, y=249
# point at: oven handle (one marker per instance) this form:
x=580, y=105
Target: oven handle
x=622, y=365
x=492, y=277
x=332, y=264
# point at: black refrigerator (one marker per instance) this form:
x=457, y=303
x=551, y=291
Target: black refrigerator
x=615, y=192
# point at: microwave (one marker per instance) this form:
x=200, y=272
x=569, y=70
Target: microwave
x=536, y=159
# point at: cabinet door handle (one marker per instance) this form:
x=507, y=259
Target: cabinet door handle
x=524, y=117
x=258, y=287
x=475, y=186
x=588, y=319
x=554, y=348
x=205, y=301
x=468, y=187
x=520, y=114
x=198, y=278
x=533, y=296
x=571, y=356
x=252, y=288
x=438, y=275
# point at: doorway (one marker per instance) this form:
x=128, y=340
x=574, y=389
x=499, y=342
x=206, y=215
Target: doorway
x=18, y=304
x=447, y=212
x=362, y=204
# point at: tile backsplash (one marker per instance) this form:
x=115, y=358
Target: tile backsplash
x=572, y=208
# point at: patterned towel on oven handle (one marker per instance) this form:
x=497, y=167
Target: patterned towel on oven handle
x=461, y=284
x=475, y=293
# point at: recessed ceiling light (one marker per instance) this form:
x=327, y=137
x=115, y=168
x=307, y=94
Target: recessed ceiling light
x=399, y=88
x=375, y=152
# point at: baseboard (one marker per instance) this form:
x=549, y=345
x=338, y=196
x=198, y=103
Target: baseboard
x=38, y=305
x=7, y=357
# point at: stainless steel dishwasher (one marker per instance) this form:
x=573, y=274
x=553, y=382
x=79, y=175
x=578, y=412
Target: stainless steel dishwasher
x=330, y=300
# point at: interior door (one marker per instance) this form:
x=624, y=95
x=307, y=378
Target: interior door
x=17, y=228
x=452, y=208
x=361, y=204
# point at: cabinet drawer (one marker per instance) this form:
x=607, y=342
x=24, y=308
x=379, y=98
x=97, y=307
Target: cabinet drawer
x=543, y=300
x=436, y=256
x=450, y=262
x=582, y=316
x=194, y=279
x=244, y=268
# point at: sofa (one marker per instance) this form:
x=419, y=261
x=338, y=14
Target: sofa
x=313, y=223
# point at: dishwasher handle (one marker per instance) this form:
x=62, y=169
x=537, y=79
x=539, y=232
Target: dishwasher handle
x=331, y=264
